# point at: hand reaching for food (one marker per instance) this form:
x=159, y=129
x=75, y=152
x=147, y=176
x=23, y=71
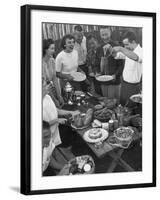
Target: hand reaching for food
x=62, y=120
x=114, y=76
x=75, y=113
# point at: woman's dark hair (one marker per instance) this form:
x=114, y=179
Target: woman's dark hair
x=78, y=28
x=45, y=125
x=92, y=36
x=46, y=44
x=131, y=36
x=63, y=41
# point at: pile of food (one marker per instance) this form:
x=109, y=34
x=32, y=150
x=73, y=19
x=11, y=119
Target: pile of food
x=95, y=133
x=108, y=102
x=123, y=135
x=83, y=119
x=82, y=165
x=103, y=115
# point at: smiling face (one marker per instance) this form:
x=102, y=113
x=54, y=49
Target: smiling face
x=69, y=45
x=105, y=34
x=50, y=51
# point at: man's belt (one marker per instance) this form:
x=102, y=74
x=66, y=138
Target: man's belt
x=130, y=83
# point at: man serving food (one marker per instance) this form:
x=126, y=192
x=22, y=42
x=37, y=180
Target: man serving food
x=132, y=72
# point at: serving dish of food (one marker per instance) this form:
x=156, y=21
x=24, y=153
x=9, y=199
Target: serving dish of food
x=83, y=120
x=104, y=78
x=103, y=115
x=136, y=122
x=110, y=103
x=95, y=135
x=81, y=165
x=78, y=76
x=137, y=98
x=112, y=141
x=123, y=135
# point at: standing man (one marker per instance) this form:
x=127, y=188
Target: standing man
x=80, y=46
x=132, y=73
x=108, y=65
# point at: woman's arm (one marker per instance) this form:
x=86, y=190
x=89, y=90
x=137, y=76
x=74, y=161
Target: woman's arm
x=66, y=112
x=53, y=122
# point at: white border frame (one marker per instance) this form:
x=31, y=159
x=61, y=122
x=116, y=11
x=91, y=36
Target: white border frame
x=43, y=183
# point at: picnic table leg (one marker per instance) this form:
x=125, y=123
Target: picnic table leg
x=117, y=158
x=115, y=161
x=125, y=165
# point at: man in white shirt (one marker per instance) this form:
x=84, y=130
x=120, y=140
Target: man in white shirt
x=132, y=73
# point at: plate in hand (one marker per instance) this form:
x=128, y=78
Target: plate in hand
x=78, y=76
x=104, y=78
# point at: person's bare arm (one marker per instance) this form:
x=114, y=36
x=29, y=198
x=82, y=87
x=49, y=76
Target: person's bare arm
x=129, y=54
x=62, y=112
x=53, y=122
x=57, y=121
x=126, y=52
x=64, y=76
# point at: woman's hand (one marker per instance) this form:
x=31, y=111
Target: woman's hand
x=62, y=120
x=114, y=76
x=61, y=101
x=74, y=113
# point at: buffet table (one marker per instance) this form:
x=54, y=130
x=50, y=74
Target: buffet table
x=105, y=148
x=113, y=151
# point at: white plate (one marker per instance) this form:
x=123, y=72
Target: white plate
x=78, y=76
x=90, y=140
x=104, y=78
x=133, y=98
